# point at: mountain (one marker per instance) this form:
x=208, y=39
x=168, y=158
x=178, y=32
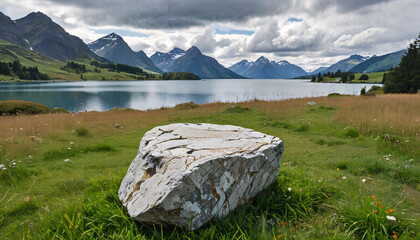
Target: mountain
x=318, y=70
x=164, y=60
x=114, y=48
x=379, y=63
x=39, y=33
x=265, y=69
x=204, y=66
x=11, y=32
x=346, y=64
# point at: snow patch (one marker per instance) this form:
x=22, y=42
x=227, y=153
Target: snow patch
x=30, y=47
x=177, y=56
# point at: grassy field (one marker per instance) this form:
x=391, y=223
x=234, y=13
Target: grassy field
x=373, y=78
x=10, y=52
x=351, y=162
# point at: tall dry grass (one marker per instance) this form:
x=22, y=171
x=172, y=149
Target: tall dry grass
x=384, y=114
x=393, y=114
x=397, y=114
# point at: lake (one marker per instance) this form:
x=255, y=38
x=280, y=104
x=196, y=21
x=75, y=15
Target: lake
x=142, y=95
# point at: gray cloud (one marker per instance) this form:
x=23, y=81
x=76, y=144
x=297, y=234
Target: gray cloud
x=329, y=29
x=167, y=14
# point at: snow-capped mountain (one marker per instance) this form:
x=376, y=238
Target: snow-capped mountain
x=114, y=48
x=164, y=60
x=263, y=68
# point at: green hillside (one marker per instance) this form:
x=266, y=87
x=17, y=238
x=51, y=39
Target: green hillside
x=10, y=52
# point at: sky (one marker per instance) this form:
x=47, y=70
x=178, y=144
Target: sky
x=309, y=33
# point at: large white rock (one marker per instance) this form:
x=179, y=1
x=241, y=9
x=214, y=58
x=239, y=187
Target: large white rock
x=185, y=174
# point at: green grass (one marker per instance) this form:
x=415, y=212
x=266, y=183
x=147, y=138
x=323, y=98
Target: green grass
x=10, y=52
x=375, y=77
x=323, y=167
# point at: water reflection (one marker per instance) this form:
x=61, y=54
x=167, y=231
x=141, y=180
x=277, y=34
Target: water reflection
x=102, y=96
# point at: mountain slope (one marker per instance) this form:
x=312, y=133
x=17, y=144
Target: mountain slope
x=165, y=60
x=39, y=33
x=114, y=48
x=262, y=68
x=11, y=32
x=205, y=67
x=379, y=63
x=55, y=68
x=318, y=70
x=346, y=64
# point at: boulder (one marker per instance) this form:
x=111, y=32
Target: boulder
x=186, y=174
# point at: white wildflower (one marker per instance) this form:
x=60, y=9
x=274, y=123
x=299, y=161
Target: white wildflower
x=289, y=189
x=391, y=218
x=69, y=148
x=67, y=160
x=344, y=177
x=3, y=168
x=71, y=143
x=1, y=165
x=363, y=180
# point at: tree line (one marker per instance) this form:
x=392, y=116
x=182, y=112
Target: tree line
x=118, y=67
x=180, y=76
x=343, y=76
x=15, y=68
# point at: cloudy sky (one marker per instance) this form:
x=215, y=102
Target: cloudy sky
x=310, y=33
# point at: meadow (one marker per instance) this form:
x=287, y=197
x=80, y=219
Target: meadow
x=375, y=77
x=350, y=170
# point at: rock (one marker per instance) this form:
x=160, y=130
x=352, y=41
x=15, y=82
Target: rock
x=186, y=174
x=310, y=103
x=35, y=139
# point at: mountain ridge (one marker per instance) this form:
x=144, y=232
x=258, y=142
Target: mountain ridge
x=36, y=31
x=205, y=67
x=263, y=68
x=114, y=48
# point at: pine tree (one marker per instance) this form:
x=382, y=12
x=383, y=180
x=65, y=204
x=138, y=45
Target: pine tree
x=406, y=77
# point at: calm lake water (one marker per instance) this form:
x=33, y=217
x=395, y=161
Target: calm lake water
x=102, y=96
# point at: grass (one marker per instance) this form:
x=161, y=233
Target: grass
x=10, y=52
x=331, y=177
x=375, y=77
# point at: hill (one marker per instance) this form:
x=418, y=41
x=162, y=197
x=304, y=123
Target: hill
x=55, y=69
